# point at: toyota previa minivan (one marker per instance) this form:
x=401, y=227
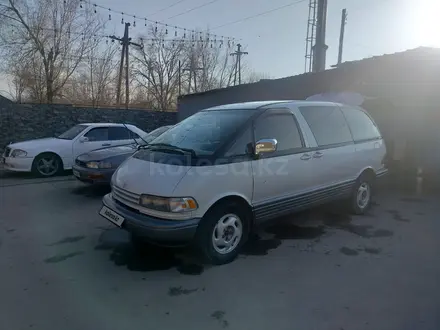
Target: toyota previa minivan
x=223, y=171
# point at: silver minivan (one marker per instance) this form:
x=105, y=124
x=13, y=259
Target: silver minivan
x=223, y=171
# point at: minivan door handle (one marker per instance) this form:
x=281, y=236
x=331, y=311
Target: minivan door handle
x=317, y=154
x=305, y=157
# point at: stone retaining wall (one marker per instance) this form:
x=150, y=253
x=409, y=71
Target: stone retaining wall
x=19, y=122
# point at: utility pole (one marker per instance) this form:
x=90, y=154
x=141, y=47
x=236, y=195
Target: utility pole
x=239, y=54
x=192, y=69
x=180, y=78
x=125, y=42
x=341, y=35
x=311, y=36
x=320, y=48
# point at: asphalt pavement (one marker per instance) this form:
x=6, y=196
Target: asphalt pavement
x=64, y=267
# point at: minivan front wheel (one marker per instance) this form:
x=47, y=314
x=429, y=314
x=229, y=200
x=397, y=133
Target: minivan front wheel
x=222, y=232
x=361, y=198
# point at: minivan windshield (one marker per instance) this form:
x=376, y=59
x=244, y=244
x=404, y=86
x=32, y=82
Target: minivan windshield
x=204, y=132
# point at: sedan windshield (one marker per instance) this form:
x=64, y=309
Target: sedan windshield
x=204, y=132
x=152, y=135
x=73, y=132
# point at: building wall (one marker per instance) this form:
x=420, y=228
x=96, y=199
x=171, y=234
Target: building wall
x=19, y=122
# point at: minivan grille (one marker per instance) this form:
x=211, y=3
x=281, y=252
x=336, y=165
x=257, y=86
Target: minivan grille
x=7, y=152
x=124, y=196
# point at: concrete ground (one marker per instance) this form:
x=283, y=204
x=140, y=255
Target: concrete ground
x=62, y=266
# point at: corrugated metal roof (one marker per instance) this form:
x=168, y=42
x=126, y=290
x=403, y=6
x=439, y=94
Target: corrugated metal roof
x=420, y=65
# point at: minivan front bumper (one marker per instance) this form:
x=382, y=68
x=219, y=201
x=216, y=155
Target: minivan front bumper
x=154, y=230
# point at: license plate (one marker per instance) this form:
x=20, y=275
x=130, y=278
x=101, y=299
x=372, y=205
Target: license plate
x=111, y=216
x=76, y=173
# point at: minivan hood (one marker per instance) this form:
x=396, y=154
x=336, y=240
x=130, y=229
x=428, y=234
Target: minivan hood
x=145, y=177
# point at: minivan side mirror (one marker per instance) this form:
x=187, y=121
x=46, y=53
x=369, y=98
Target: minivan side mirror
x=265, y=146
x=83, y=139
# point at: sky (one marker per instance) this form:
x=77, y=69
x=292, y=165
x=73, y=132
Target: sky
x=276, y=41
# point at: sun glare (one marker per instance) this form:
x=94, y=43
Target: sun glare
x=426, y=22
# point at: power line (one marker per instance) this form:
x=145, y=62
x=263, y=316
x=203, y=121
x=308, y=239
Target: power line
x=168, y=7
x=260, y=14
x=196, y=40
x=194, y=8
x=140, y=19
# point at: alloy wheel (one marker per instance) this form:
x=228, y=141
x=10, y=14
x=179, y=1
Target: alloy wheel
x=47, y=165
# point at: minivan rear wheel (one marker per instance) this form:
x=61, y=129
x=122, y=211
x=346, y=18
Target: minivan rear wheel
x=362, y=195
x=222, y=232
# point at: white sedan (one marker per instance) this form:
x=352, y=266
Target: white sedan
x=49, y=156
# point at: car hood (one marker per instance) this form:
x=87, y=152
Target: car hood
x=39, y=144
x=144, y=177
x=101, y=154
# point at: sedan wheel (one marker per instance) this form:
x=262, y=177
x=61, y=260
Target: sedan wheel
x=47, y=165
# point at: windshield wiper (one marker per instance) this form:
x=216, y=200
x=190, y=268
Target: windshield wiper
x=172, y=147
x=138, y=146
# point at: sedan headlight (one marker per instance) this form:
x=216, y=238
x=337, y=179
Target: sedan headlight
x=97, y=165
x=18, y=153
x=168, y=204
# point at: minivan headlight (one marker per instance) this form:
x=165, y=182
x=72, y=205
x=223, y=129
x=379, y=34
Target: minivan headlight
x=168, y=204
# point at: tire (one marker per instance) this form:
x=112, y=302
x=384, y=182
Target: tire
x=362, y=194
x=222, y=232
x=47, y=165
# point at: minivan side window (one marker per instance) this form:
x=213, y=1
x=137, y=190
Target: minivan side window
x=283, y=128
x=362, y=127
x=241, y=145
x=328, y=125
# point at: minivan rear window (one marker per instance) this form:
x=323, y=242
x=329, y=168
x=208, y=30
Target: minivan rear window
x=362, y=127
x=206, y=131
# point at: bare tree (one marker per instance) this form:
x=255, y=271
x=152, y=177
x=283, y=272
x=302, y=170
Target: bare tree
x=102, y=72
x=215, y=65
x=94, y=79
x=157, y=69
x=27, y=78
x=250, y=76
x=57, y=34
x=205, y=64
x=20, y=74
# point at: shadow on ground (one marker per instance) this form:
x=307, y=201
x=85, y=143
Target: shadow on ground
x=153, y=258
x=149, y=257
x=5, y=174
x=92, y=191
